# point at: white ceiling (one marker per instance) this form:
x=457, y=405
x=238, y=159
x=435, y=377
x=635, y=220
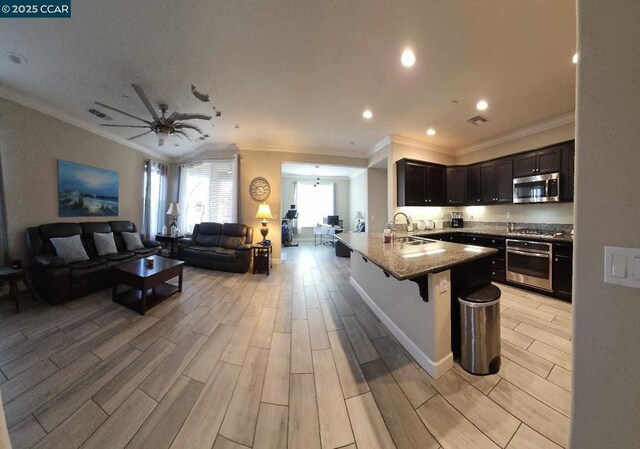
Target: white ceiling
x=321, y=171
x=299, y=73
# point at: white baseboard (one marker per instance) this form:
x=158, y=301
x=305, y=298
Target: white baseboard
x=434, y=368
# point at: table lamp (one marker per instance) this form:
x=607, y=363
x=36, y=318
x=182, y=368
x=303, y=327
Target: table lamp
x=173, y=211
x=264, y=213
x=359, y=216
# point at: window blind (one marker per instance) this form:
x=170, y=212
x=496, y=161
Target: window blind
x=208, y=193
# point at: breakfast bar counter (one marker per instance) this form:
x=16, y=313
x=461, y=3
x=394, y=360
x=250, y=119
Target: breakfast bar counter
x=412, y=284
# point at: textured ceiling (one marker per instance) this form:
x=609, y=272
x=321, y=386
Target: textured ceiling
x=300, y=73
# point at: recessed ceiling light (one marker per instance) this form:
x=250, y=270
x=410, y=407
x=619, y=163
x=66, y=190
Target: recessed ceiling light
x=454, y=101
x=367, y=114
x=575, y=58
x=431, y=132
x=352, y=143
x=408, y=58
x=17, y=58
x=236, y=126
x=482, y=105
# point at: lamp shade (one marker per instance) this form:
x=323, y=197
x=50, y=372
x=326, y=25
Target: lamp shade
x=264, y=212
x=359, y=216
x=174, y=209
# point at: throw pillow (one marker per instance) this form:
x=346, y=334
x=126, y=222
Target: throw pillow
x=70, y=248
x=132, y=240
x=105, y=244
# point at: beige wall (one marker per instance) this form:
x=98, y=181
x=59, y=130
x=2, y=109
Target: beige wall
x=606, y=341
x=358, y=198
x=530, y=142
x=268, y=164
x=30, y=145
x=377, y=180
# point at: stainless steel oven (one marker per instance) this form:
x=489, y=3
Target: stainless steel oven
x=537, y=189
x=529, y=263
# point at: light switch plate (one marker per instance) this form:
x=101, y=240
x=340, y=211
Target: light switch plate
x=622, y=266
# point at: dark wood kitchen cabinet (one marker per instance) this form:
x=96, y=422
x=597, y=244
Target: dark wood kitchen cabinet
x=563, y=271
x=456, y=186
x=474, y=185
x=496, y=178
x=567, y=174
x=547, y=160
x=421, y=184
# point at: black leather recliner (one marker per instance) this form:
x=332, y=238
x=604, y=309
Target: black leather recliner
x=224, y=247
x=58, y=281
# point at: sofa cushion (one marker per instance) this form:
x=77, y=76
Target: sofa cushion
x=208, y=234
x=144, y=251
x=132, y=240
x=207, y=239
x=230, y=242
x=55, y=230
x=117, y=257
x=233, y=235
x=226, y=252
x=118, y=227
x=105, y=244
x=200, y=248
x=88, y=269
x=88, y=229
x=70, y=248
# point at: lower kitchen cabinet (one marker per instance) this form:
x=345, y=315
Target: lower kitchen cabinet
x=563, y=271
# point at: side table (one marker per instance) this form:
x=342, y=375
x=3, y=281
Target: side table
x=262, y=259
x=12, y=276
x=168, y=239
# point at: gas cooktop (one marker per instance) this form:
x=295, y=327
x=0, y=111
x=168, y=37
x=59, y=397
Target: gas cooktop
x=535, y=232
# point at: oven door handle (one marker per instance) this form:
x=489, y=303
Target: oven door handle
x=526, y=253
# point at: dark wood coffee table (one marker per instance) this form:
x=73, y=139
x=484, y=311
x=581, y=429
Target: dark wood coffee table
x=149, y=286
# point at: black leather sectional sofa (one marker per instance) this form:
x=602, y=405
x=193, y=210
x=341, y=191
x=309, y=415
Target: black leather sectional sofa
x=225, y=247
x=58, y=281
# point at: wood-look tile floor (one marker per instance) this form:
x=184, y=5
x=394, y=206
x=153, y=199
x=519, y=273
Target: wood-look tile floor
x=294, y=359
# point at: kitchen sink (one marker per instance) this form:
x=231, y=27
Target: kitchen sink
x=414, y=241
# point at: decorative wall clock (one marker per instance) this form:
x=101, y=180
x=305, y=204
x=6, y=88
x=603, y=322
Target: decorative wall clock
x=259, y=189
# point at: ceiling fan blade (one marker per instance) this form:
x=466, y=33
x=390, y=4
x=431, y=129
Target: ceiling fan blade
x=183, y=134
x=161, y=142
x=193, y=127
x=125, y=126
x=178, y=134
x=180, y=116
x=145, y=100
x=140, y=135
x=123, y=113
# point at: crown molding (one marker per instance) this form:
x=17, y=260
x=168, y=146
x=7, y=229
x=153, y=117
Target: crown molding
x=421, y=144
x=546, y=125
x=379, y=146
x=36, y=105
x=353, y=154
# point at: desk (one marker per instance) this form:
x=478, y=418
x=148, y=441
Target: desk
x=325, y=230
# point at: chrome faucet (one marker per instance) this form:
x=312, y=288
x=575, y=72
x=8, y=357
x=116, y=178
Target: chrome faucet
x=394, y=220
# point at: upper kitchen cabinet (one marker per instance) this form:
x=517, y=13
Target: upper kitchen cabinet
x=474, y=185
x=496, y=178
x=547, y=160
x=420, y=183
x=456, y=186
x=567, y=173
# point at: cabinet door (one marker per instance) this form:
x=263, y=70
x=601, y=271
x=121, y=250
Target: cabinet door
x=415, y=193
x=568, y=172
x=474, y=182
x=436, y=185
x=549, y=160
x=489, y=185
x=563, y=276
x=456, y=185
x=524, y=165
x=504, y=174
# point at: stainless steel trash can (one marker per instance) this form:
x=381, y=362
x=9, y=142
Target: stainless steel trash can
x=480, y=330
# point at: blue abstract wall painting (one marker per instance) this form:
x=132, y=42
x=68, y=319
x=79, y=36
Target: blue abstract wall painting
x=85, y=191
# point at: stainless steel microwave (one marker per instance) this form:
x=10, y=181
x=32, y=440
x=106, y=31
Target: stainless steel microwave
x=537, y=189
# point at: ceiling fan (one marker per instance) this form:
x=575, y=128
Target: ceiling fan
x=161, y=126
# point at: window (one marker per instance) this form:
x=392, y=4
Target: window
x=208, y=192
x=314, y=203
x=155, y=192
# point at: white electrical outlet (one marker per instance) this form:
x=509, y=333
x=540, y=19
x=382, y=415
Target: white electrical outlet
x=444, y=285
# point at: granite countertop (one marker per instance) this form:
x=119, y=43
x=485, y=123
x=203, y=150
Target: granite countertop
x=404, y=261
x=492, y=231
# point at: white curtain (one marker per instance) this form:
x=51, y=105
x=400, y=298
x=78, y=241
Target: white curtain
x=208, y=192
x=314, y=202
x=155, y=194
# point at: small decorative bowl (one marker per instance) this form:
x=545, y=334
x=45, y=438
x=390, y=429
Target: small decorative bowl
x=149, y=261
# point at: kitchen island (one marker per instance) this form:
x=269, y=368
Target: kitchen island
x=412, y=285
